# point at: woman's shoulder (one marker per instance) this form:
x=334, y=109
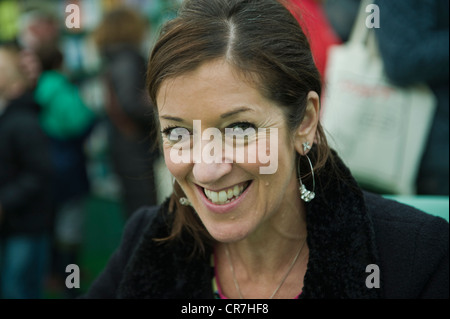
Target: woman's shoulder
x=148, y=220
x=140, y=220
x=385, y=210
x=413, y=249
x=138, y=225
x=397, y=220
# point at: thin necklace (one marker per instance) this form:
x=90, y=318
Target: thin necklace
x=236, y=284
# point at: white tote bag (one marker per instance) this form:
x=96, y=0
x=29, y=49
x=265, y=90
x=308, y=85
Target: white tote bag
x=377, y=128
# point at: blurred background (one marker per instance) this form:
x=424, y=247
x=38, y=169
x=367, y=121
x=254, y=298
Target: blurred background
x=89, y=81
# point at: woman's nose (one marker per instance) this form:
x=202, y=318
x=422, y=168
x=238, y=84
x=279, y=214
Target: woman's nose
x=208, y=173
x=210, y=161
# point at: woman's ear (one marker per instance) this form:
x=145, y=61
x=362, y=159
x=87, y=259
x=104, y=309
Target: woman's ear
x=306, y=131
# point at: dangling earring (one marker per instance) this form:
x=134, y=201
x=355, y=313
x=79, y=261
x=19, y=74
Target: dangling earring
x=306, y=195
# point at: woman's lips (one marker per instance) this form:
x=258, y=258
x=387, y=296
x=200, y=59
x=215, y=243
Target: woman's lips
x=224, y=200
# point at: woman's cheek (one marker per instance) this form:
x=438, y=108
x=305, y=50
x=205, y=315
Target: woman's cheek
x=265, y=151
x=176, y=169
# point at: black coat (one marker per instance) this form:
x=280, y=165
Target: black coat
x=25, y=170
x=347, y=230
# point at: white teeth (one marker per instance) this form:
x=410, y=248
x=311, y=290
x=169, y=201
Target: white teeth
x=224, y=196
x=213, y=196
x=236, y=190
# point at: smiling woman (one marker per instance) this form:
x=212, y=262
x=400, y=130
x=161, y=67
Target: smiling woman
x=303, y=230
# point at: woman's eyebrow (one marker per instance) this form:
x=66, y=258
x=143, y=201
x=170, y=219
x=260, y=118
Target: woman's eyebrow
x=239, y=110
x=224, y=115
x=172, y=118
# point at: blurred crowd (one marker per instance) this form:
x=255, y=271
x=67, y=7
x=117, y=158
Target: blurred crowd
x=45, y=122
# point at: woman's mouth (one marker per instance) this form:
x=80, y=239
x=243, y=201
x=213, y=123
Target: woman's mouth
x=226, y=195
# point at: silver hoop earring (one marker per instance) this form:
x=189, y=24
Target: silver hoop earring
x=305, y=194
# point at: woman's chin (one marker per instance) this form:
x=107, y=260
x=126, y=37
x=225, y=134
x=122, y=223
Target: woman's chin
x=228, y=234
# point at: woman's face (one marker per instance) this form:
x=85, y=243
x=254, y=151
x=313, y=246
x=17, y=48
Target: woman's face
x=232, y=194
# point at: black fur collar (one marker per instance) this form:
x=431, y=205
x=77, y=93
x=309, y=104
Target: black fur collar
x=340, y=238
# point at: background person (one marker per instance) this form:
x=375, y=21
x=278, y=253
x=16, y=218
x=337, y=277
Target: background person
x=67, y=121
x=25, y=189
x=413, y=41
x=129, y=115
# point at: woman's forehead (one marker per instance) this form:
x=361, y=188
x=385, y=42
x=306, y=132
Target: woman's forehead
x=213, y=83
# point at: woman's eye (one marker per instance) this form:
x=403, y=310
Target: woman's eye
x=241, y=127
x=243, y=131
x=176, y=134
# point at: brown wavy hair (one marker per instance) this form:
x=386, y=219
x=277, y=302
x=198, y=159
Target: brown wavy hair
x=260, y=38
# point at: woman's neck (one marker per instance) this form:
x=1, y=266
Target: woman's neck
x=265, y=255
x=261, y=261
